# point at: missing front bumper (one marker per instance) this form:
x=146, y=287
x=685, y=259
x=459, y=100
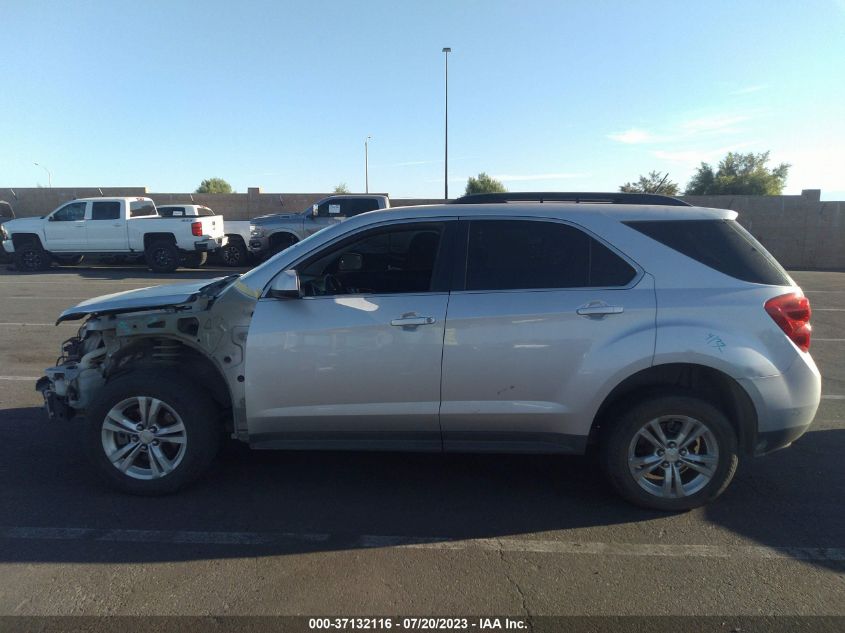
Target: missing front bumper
x=56, y=408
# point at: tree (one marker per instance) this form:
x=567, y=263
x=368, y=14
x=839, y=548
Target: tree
x=214, y=185
x=341, y=188
x=655, y=182
x=484, y=184
x=739, y=174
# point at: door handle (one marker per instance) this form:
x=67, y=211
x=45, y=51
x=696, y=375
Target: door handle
x=599, y=310
x=411, y=321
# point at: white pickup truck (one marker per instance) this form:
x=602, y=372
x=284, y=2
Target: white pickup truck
x=112, y=226
x=234, y=252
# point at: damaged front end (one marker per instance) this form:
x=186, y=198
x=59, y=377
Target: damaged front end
x=200, y=327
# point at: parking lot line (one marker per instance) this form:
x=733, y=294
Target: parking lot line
x=369, y=541
x=19, y=323
x=16, y=378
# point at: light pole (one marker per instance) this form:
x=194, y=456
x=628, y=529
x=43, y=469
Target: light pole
x=367, y=164
x=49, y=175
x=446, y=50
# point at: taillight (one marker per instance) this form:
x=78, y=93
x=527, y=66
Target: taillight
x=792, y=313
x=196, y=229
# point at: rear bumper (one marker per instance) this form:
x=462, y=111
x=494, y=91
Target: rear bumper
x=786, y=404
x=211, y=244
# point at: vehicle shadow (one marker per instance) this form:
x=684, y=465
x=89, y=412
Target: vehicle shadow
x=327, y=501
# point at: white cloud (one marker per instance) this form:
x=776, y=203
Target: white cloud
x=632, y=136
x=695, y=156
x=718, y=123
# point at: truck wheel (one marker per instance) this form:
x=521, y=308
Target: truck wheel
x=194, y=260
x=31, y=257
x=152, y=432
x=234, y=253
x=162, y=257
x=68, y=260
x=670, y=453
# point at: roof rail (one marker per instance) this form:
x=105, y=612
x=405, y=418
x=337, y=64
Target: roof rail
x=578, y=197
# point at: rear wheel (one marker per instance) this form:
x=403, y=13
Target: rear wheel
x=195, y=259
x=162, y=257
x=152, y=432
x=234, y=253
x=30, y=257
x=670, y=453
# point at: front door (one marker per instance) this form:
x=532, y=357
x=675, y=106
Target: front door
x=65, y=229
x=355, y=362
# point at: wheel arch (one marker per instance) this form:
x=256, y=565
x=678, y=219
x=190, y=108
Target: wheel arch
x=707, y=383
x=279, y=236
x=173, y=352
x=21, y=239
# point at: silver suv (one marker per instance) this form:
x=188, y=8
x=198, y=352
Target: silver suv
x=662, y=335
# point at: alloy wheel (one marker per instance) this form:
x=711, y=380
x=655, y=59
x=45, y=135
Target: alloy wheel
x=673, y=456
x=144, y=437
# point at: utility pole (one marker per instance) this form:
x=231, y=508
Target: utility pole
x=49, y=175
x=446, y=50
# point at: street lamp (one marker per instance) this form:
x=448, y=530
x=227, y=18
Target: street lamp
x=49, y=175
x=446, y=50
x=367, y=164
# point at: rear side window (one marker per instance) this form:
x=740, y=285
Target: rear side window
x=204, y=211
x=527, y=254
x=722, y=245
x=171, y=212
x=360, y=205
x=140, y=208
x=105, y=210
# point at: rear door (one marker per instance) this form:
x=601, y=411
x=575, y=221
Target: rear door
x=65, y=229
x=106, y=226
x=546, y=316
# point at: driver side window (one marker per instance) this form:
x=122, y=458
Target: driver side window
x=399, y=259
x=70, y=212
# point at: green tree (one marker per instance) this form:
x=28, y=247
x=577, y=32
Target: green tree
x=739, y=174
x=341, y=188
x=214, y=185
x=484, y=184
x=655, y=182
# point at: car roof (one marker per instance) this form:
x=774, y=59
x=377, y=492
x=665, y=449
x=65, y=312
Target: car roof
x=559, y=210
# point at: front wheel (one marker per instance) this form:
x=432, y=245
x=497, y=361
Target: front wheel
x=30, y=257
x=670, y=453
x=151, y=432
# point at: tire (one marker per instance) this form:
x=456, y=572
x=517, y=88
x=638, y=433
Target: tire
x=636, y=467
x=234, y=253
x=68, y=260
x=30, y=258
x=194, y=260
x=146, y=473
x=162, y=257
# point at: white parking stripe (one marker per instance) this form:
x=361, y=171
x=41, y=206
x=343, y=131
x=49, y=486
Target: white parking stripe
x=829, y=340
x=21, y=378
x=833, y=397
x=410, y=542
x=20, y=323
x=828, y=309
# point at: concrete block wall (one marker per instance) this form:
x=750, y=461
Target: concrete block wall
x=799, y=230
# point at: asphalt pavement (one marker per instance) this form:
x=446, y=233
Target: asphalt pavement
x=362, y=534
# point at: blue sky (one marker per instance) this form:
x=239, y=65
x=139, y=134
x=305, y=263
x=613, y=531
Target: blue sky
x=543, y=95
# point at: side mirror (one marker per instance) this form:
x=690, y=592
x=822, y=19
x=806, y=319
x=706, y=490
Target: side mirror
x=350, y=262
x=286, y=286
x=314, y=210
x=52, y=218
